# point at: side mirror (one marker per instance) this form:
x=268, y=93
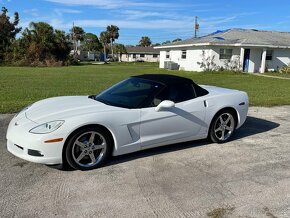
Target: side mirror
x=165, y=105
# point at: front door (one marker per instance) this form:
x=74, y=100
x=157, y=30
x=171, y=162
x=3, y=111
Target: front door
x=182, y=121
x=246, y=60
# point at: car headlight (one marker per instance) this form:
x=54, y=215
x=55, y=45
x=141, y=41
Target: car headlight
x=47, y=127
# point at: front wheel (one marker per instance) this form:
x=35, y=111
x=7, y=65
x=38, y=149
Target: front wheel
x=88, y=148
x=222, y=127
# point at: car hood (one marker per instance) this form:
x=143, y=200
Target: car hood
x=64, y=107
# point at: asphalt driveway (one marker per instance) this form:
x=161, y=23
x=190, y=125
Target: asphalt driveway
x=247, y=177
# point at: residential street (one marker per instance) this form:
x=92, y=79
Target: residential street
x=247, y=177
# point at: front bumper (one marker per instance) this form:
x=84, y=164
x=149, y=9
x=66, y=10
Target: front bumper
x=22, y=152
x=31, y=147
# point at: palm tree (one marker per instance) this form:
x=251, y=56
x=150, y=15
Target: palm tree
x=104, y=39
x=145, y=41
x=113, y=32
x=42, y=37
x=77, y=35
x=120, y=49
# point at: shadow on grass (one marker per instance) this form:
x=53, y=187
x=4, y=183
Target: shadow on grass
x=252, y=126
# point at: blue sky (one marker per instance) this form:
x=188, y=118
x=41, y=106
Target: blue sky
x=160, y=20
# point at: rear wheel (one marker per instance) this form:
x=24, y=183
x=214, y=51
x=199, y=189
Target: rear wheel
x=223, y=126
x=88, y=148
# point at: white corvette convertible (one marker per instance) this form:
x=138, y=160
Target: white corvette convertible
x=138, y=113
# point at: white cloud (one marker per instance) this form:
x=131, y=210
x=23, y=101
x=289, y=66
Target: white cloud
x=113, y=4
x=60, y=12
x=134, y=24
x=135, y=15
x=33, y=12
x=109, y=4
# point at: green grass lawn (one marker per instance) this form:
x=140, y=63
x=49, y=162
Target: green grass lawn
x=278, y=74
x=20, y=86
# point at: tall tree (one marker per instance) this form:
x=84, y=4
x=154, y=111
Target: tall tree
x=61, y=45
x=104, y=39
x=40, y=44
x=156, y=44
x=41, y=37
x=77, y=34
x=91, y=42
x=120, y=49
x=145, y=41
x=176, y=40
x=8, y=30
x=113, y=32
x=166, y=42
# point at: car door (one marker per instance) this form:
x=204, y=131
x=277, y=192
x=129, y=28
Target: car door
x=183, y=121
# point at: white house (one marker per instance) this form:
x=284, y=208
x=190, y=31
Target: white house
x=138, y=53
x=86, y=55
x=250, y=50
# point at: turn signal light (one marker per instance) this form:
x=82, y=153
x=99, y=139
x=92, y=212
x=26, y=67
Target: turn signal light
x=54, y=140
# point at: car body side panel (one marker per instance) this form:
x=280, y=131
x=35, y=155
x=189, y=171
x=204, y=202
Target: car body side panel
x=220, y=98
x=184, y=120
x=124, y=126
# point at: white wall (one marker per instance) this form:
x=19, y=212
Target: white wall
x=281, y=57
x=220, y=62
x=146, y=58
x=255, y=60
x=193, y=55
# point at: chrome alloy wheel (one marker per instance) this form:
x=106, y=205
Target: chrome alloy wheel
x=224, y=126
x=89, y=149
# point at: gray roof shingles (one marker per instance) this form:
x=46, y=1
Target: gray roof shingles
x=239, y=36
x=141, y=50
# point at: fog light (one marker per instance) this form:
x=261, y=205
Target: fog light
x=35, y=153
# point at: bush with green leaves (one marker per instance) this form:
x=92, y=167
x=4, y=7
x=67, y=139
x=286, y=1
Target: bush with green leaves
x=40, y=45
x=285, y=69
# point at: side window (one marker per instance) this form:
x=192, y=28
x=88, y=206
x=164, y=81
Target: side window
x=183, y=54
x=176, y=93
x=167, y=54
x=269, y=55
x=226, y=54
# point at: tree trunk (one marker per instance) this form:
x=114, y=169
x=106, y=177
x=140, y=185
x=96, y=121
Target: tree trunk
x=105, y=56
x=112, y=48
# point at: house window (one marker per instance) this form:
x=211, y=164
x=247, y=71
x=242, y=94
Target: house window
x=269, y=55
x=134, y=55
x=142, y=55
x=183, y=54
x=155, y=55
x=167, y=54
x=226, y=54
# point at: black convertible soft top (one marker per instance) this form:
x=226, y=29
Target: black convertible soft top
x=169, y=80
x=165, y=79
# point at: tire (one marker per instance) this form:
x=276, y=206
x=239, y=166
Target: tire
x=222, y=126
x=88, y=148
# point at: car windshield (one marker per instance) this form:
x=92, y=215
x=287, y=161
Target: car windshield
x=130, y=93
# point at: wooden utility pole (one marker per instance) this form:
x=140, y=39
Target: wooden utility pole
x=73, y=39
x=196, y=27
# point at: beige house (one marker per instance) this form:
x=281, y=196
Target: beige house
x=142, y=54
